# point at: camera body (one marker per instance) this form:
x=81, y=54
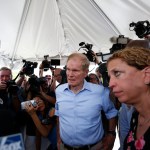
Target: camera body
x=35, y=84
x=122, y=40
x=121, y=43
x=28, y=67
x=90, y=56
x=12, y=87
x=88, y=48
x=141, y=28
x=45, y=63
x=32, y=102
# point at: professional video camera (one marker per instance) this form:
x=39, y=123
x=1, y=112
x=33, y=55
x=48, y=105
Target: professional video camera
x=35, y=84
x=28, y=67
x=120, y=43
x=45, y=63
x=49, y=64
x=141, y=28
x=88, y=48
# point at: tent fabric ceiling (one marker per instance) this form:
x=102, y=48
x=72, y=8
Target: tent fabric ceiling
x=30, y=29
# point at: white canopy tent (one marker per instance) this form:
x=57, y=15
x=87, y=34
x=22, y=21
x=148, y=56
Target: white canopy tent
x=30, y=29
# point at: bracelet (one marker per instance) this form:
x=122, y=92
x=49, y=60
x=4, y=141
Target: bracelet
x=112, y=133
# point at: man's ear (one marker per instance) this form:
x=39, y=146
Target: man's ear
x=147, y=75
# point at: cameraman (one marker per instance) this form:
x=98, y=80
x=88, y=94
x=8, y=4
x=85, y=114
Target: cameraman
x=45, y=91
x=56, y=79
x=9, y=105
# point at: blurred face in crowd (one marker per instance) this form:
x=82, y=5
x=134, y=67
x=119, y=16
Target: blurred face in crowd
x=49, y=79
x=5, y=75
x=40, y=102
x=126, y=82
x=98, y=72
x=93, y=78
x=75, y=72
x=57, y=75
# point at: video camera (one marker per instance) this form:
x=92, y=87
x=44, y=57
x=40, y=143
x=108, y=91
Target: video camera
x=46, y=64
x=88, y=48
x=141, y=28
x=28, y=67
x=35, y=83
x=120, y=43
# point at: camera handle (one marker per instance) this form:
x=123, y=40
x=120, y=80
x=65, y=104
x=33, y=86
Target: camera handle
x=16, y=76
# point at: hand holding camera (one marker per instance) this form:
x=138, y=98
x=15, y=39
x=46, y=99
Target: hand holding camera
x=30, y=106
x=29, y=103
x=3, y=85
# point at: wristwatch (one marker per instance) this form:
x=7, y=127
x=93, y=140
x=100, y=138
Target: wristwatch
x=112, y=133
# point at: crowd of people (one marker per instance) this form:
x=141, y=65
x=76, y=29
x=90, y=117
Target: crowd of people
x=82, y=113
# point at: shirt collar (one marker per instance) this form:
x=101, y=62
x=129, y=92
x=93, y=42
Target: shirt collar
x=86, y=86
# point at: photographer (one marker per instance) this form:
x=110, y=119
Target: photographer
x=38, y=88
x=46, y=130
x=45, y=91
x=56, y=74
x=9, y=104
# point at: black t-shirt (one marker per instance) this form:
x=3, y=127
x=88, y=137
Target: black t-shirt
x=8, y=122
x=5, y=102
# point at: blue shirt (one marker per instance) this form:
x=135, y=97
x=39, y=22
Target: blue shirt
x=80, y=114
x=125, y=115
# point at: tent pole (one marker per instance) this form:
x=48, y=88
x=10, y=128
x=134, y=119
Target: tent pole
x=20, y=29
x=106, y=18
